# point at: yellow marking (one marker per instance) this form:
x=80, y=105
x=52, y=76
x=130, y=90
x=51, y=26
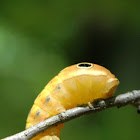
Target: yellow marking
x=112, y=80
x=98, y=73
x=90, y=105
x=50, y=138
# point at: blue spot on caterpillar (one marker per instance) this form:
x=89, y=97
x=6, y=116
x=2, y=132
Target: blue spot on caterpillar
x=58, y=87
x=37, y=113
x=47, y=99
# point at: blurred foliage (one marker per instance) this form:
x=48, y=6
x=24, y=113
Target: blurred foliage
x=39, y=38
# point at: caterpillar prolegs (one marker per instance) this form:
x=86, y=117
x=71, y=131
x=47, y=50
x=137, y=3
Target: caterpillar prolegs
x=77, y=84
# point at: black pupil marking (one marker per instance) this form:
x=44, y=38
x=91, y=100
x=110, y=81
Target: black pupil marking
x=84, y=65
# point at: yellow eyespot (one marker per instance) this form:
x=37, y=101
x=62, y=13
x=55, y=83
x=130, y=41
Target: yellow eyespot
x=84, y=65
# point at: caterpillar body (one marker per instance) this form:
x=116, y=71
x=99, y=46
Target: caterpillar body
x=74, y=85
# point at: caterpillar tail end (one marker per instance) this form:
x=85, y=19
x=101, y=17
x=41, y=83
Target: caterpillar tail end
x=50, y=138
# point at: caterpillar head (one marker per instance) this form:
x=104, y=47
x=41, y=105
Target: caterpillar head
x=87, y=82
x=108, y=80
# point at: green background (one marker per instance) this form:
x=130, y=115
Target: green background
x=38, y=38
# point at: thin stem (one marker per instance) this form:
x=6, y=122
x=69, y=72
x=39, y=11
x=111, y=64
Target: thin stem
x=118, y=101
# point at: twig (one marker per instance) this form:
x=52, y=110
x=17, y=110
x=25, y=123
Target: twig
x=119, y=101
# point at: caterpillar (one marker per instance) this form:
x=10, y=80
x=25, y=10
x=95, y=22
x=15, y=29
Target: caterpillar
x=77, y=84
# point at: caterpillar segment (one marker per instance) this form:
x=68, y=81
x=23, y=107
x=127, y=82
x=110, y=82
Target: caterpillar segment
x=77, y=84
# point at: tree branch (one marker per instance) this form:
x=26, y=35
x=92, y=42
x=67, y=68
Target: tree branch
x=118, y=101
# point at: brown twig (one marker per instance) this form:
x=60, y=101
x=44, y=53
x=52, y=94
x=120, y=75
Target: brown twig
x=118, y=101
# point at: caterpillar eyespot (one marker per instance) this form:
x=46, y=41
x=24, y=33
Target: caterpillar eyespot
x=84, y=65
x=75, y=85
